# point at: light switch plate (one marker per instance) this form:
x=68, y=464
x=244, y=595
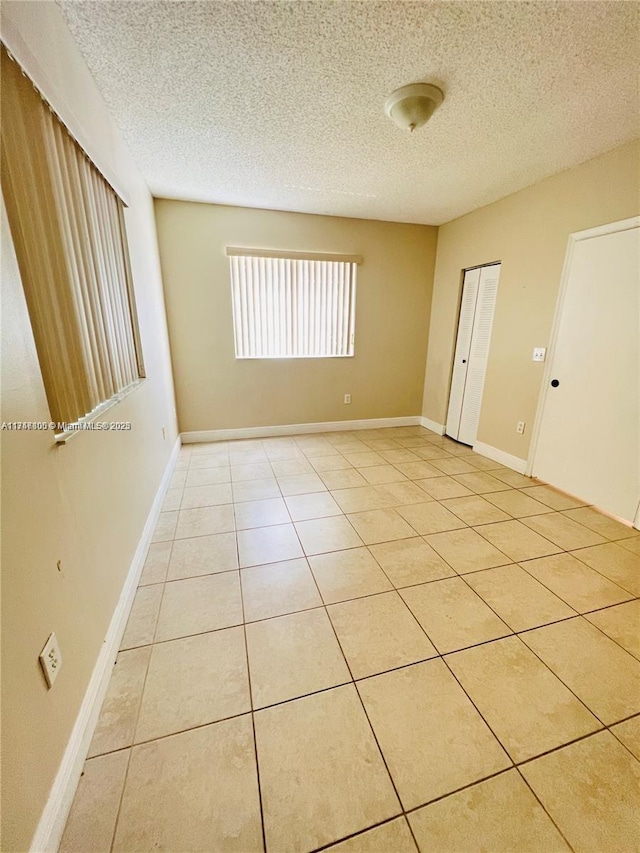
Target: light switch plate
x=539, y=353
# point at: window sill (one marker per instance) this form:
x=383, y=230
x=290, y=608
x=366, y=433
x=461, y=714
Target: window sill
x=88, y=422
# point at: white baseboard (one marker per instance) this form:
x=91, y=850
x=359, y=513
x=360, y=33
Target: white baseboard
x=54, y=816
x=296, y=429
x=432, y=425
x=506, y=459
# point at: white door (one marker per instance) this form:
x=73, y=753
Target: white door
x=589, y=436
x=479, y=291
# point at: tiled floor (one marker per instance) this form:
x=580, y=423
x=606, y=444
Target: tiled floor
x=371, y=642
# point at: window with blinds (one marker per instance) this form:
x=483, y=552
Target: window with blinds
x=68, y=229
x=293, y=305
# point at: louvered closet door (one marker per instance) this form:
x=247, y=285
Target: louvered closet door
x=465, y=427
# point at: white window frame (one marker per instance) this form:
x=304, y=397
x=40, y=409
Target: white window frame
x=292, y=304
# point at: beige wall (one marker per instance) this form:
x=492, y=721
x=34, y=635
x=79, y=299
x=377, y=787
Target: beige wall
x=214, y=391
x=86, y=503
x=528, y=233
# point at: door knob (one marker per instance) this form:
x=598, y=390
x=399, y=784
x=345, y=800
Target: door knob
x=555, y=383
x=464, y=360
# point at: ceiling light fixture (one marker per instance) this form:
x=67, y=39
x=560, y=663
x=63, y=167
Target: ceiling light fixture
x=412, y=106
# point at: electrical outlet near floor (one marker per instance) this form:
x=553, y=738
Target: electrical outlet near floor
x=520, y=427
x=347, y=398
x=51, y=660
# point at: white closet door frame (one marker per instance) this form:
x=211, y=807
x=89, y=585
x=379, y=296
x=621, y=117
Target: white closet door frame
x=602, y=230
x=470, y=285
x=480, y=288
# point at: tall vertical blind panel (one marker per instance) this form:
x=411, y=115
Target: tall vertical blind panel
x=68, y=228
x=293, y=308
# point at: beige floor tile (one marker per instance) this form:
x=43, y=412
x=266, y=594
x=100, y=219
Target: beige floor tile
x=392, y=837
x=278, y=588
x=268, y=545
x=550, y=497
x=256, y=490
x=364, y=459
x=208, y=476
x=288, y=467
x=343, y=479
x=378, y=633
x=203, y=555
x=379, y=474
x=475, y=510
x=442, y=488
x=407, y=562
x=467, y=551
x=380, y=525
x=418, y=470
x=430, y=517
x=251, y=471
x=481, y=483
x=320, y=535
x=453, y=616
x=602, y=524
x=614, y=562
x=603, y=675
x=313, y=447
x=483, y=463
x=166, y=527
x=174, y=802
x=379, y=444
x=622, y=624
x=316, y=505
x=360, y=499
x=430, y=451
x=631, y=544
x=330, y=463
x=432, y=738
x=178, y=479
x=293, y=655
x=172, y=500
x=92, y=819
x=527, y=707
x=513, y=478
x=517, y=541
x=453, y=465
x=209, y=460
x=194, y=681
x=301, y=484
x=590, y=790
x=520, y=600
x=569, y=578
x=399, y=456
x=261, y=513
x=517, y=504
x=321, y=772
x=205, y=521
x=212, y=495
x=156, y=563
x=348, y=574
x=117, y=721
x=562, y=531
x=628, y=733
x=499, y=815
x=402, y=494
x=198, y=605
x=143, y=617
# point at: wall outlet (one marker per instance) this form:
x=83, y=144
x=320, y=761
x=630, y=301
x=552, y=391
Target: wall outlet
x=520, y=427
x=539, y=353
x=51, y=660
x=347, y=398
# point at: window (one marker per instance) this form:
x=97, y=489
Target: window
x=293, y=305
x=67, y=225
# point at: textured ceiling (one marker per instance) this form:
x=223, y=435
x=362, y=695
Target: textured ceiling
x=280, y=104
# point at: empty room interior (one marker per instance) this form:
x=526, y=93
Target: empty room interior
x=320, y=426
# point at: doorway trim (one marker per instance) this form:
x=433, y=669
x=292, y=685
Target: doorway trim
x=576, y=237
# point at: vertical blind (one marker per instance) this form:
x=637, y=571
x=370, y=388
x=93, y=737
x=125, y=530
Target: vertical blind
x=286, y=307
x=67, y=225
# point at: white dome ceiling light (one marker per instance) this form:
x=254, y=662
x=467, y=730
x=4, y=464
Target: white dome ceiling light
x=412, y=106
